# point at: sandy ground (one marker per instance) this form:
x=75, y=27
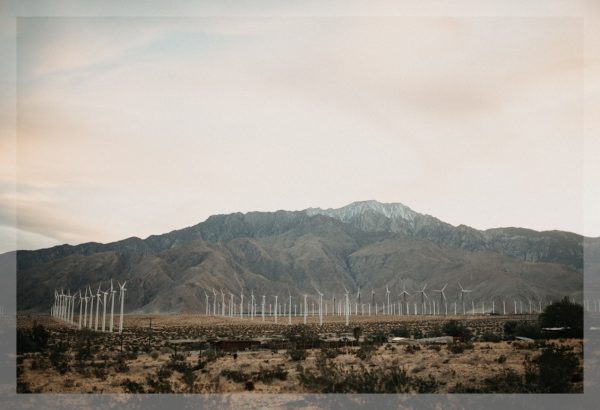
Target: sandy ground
x=470, y=367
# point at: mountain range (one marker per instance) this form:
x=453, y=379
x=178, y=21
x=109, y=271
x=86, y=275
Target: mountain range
x=366, y=244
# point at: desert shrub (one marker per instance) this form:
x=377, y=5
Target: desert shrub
x=417, y=333
x=491, y=337
x=33, y=340
x=564, y=314
x=400, y=331
x=330, y=353
x=249, y=385
x=377, y=338
x=302, y=336
x=501, y=359
x=268, y=375
x=509, y=327
x=435, y=347
x=132, y=387
x=357, y=332
x=435, y=331
x=425, y=385
x=155, y=354
x=557, y=367
x=121, y=365
x=458, y=347
x=100, y=373
x=365, y=351
x=456, y=329
x=234, y=375
x=508, y=381
x=528, y=329
x=296, y=354
x=412, y=348
x=189, y=379
x=332, y=378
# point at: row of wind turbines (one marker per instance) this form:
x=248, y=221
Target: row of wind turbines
x=418, y=303
x=64, y=307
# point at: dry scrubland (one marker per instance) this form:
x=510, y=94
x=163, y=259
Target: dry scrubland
x=154, y=361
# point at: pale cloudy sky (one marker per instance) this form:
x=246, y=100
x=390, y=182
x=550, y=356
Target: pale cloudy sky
x=137, y=126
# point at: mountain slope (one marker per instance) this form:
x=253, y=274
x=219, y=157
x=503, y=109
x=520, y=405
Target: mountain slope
x=365, y=244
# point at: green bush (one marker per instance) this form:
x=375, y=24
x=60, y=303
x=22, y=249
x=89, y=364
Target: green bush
x=557, y=367
x=456, y=329
x=564, y=314
x=132, y=387
x=297, y=354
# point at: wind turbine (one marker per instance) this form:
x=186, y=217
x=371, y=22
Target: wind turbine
x=122, y=298
x=214, y=302
x=442, y=298
x=320, y=306
x=348, y=306
x=104, y=311
x=305, y=308
x=462, y=295
x=90, y=323
x=423, y=297
x=289, y=307
x=112, y=306
x=205, y=294
x=222, y=303
x=242, y=303
x=263, y=307
x=85, y=299
x=276, y=308
x=361, y=306
x=97, y=307
x=372, y=301
x=404, y=294
x=80, y=308
x=230, y=304
x=387, y=293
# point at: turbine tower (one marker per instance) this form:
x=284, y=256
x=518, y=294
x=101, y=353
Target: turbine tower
x=263, y=307
x=347, y=306
x=442, y=299
x=90, y=323
x=104, y=311
x=85, y=299
x=462, y=295
x=423, y=297
x=112, y=306
x=205, y=294
x=80, y=308
x=98, y=301
x=320, y=306
x=305, y=308
x=404, y=294
x=122, y=298
x=387, y=293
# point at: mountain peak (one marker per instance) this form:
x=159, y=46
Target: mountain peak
x=389, y=210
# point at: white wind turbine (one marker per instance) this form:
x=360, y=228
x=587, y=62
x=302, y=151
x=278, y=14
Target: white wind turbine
x=262, y=310
x=252, y=301
x=72, y=308
x=230, y=304
x=404, y=294
x=372, y=301
x=90, y=322
x=98, y=301
x=122, y=298
x=222, y=303
x=289, y=307
x=320, y=306
x=359, y=303
x=276, y=308
x=85, y=299
x=207, y=302
x=387, y=293
x=80, y=308
x=112, y=306
x=104, y=311
x=242, y=303
x=442, y=299
x=423, y=297
x=347, y=305
x=462, y=295
x=214, y=302
x=305, y=308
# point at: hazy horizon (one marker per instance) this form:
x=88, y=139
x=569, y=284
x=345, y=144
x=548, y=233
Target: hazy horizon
x=137, y=126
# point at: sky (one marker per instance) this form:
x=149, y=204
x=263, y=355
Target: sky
x=140, y=125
